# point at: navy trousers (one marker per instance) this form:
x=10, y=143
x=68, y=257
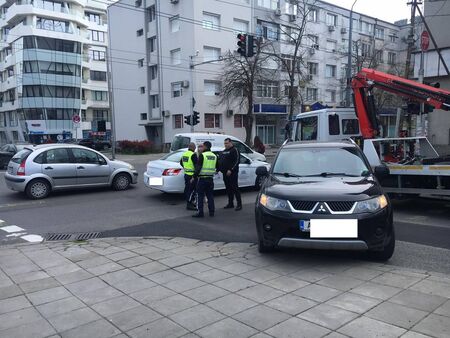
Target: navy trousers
x=189, y=188
x=205, y=187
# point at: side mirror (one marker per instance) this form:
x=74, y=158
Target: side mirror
x=262, y=171
x=102, y=161
x=381, y=171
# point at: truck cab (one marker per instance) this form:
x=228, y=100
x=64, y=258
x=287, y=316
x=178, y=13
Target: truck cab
x=329, y=124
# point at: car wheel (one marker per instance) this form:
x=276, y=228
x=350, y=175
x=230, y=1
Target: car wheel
x=387, y=251
x=38, y=189
x=264, y=248
x=258, y=182
x=121, y=182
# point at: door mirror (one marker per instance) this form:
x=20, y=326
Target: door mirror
x=262, y=171
x=102, y=161
x=381, y=171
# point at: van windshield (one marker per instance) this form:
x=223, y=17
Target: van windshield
x=180, y=142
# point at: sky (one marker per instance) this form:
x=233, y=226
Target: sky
x=387, y=10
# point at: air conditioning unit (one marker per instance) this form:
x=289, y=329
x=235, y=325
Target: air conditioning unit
x=331, y=28
x=309, y=77
x=343, y=30
x=166, y=113
x=185, y=84
x=174, y=1
x=292, y=17
x=277, y=12
x=230, y=112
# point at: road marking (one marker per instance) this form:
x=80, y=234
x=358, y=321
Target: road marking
x=33, y=238
x=16, y=234
x=12, y=228
x=13, y=205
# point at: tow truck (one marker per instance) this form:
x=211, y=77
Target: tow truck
x=414, y=164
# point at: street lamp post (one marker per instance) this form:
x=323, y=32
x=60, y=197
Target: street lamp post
x=191, y=84
x=349, y=58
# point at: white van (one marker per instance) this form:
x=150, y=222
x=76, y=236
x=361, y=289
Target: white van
x=326, y=125
x=181, y=141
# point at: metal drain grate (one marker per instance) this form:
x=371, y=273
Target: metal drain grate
x=72, y=237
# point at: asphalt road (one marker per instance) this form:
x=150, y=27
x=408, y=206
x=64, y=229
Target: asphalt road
x=422, y=225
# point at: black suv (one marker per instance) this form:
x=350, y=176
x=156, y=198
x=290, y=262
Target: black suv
x=324, y=196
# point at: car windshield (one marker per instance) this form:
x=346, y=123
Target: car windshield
x=21, y=155
x=180, y=142
x=173, y=157
x=323, y=162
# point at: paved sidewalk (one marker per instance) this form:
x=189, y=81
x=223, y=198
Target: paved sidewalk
x=173, y=287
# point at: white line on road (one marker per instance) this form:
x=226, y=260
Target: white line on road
x=16, y=234
x=33, y=238
x=12, y=228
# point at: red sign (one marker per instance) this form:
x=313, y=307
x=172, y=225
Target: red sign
x=424, y=40
x=76, y=119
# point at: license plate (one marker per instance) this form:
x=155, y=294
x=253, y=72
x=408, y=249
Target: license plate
x=304, y=225
x=334, y=228
x=156, y=181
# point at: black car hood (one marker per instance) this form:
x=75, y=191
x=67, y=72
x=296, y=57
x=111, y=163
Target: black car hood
x=322, y=188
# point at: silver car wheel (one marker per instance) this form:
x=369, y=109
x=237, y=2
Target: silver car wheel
x=39, y=189
x=121, y=182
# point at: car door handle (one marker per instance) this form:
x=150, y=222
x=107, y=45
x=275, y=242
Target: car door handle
x=48, y=168
x=80, y=167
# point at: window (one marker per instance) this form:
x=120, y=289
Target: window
x=142, y=90
x=331, y=19
x=392, y=58
x=140, y=32
x=141, y=63
x=138, y=3
x=288, y=61
x=267, y=89
x=143, y=116
x=379, y=33
x=12, y=119
x=211, y=53
x=267, y=30
x=239, y=121
x=211, y=21
x=213, y=120
x=330, y=71
x=366, y=49
x=98, y=36
x=153, y=72
x=57, y=156
x=379, y=56
x=350, y=126
x=287, y=91
x=177, y=90
x=330, y=96
x=53, y=25
x=312, y=41
x=51, y=91
x=40, y=42
x=48, y=5
x=154, y=99
x=2, y=119
x=331, y=46
x=366, y=27
x=84, y=156
x=312, y=15
x=271, y=4
x=97, y=55
x=392, y=38
x=48, y=67
x=333, y=124
x=240, y=26
x=211, y=88
x=175, y=56
x=312, y=68
x=151, y=13
x=98, y=76
x=174, y=24
x=83, y=115
x=307, y=129
x=289, y=34
x=93, y=17
x=311, y=94
x=178, y=121
x=152, y=43
x=100, y=115
x=99, y=95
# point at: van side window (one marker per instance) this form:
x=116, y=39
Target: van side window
x=308, y=128
x=333, y=124
x=243, y=149
x=350, y=126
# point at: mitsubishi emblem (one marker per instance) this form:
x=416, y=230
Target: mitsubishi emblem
x=321, y=208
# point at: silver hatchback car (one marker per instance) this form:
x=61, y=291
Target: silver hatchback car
x=39, y=170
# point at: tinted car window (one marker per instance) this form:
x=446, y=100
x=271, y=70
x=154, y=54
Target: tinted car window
x=333, y=124
x=57, y=156
x=85, y=156
x=350, y=126
x=40, y=158
x=180, y=142
x=21, y=155
x=243, y=160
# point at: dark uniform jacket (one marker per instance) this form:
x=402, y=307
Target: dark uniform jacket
x=229, y=160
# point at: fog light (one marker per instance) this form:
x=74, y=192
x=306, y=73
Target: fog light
x=379, y=232
x=267, y=227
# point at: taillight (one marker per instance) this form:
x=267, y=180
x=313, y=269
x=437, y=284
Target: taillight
x=171, y=172
x=21, y=170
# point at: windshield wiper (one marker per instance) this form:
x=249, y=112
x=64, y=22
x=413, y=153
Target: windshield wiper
x=287, y=174
x=326, y=174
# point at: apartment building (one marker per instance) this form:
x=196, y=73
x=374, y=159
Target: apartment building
x=52, y=67
x=153, y=82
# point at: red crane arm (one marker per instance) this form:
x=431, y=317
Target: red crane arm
x=367, y=79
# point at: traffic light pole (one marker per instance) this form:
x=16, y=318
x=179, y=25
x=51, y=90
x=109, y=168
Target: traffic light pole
x=191, y=103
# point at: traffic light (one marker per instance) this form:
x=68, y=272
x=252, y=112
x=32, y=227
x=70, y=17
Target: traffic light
x=187, y=120
x=196, y=118
x=246, y=45
x=250, y=51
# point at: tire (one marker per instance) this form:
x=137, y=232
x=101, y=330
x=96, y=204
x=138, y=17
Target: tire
x=38, y=189
x=387, y=251
x=258, y=182
x=121, y=182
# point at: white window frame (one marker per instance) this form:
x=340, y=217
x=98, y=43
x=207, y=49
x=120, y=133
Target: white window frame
x=312, y=94
x=330, y=71
x=154, y=101
x=175, y=56
x=312, y=15
x=240, y=26
x=174, y=24
x=211, y=88
x=211, y=21
x=331, y=19
x=176, y=89
x=211, y=53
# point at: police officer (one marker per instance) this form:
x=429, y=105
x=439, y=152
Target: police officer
x=188, y=162
x=205, y=171
x=229, y=166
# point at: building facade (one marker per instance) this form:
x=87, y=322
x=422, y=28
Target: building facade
x=157, y=62
x=52, y=67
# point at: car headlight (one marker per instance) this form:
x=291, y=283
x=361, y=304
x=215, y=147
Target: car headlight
x=273, y=203
x=131, y=167
x=372, y=205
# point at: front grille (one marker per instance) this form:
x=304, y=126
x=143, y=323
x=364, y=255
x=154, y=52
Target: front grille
x=303, y=205
x=341, y=206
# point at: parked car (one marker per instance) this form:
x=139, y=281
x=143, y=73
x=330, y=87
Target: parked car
x=167, y=175
x=181, y=141
x=7, y=152
x=324, y=196
x=39, y=170
x=95, y=144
